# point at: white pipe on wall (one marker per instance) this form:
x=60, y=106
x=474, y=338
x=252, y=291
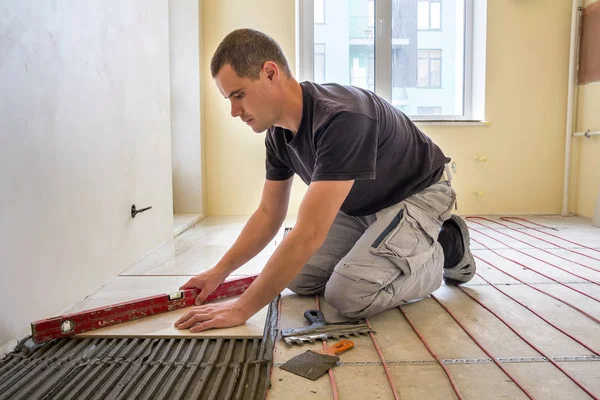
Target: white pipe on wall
x=573, y=60
x=587, y=133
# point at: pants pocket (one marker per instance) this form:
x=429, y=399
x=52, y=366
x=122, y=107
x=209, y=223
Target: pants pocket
x=408, y=239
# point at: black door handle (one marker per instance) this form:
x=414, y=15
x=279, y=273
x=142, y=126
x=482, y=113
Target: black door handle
x=135, y=211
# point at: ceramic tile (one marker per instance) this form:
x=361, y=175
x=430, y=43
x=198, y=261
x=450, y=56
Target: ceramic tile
x=161, y=326
x=126, y=288
x=191, y=259
x=182, y=222
x=200, y=248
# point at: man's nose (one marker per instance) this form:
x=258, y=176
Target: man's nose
x=236, y=110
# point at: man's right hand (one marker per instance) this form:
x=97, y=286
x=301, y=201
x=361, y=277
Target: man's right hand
x=207, y=282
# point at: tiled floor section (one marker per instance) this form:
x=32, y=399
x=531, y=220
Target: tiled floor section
x=182, y=222
x=414, y=371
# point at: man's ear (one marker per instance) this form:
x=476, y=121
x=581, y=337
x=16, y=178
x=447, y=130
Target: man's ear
x=271, y=70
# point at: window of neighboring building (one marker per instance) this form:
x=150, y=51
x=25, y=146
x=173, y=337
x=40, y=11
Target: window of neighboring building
x=429, y=69
x=429, y=15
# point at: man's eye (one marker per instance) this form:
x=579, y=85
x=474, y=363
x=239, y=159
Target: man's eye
x=239, y=96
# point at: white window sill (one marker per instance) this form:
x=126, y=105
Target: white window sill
x=451, y=122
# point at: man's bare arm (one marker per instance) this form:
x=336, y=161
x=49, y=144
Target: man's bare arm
x=259, y=230
x=316, y=215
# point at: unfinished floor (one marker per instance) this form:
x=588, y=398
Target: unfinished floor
x=538, y=284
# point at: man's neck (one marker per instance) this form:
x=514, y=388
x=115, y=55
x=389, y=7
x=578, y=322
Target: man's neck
x=291, y=115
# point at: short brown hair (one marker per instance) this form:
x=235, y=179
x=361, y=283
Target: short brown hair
x=246, y=50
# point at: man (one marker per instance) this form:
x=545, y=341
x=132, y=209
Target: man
x=374, y=229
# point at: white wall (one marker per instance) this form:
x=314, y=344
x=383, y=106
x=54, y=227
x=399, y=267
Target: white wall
x=84, y=133
x=186, y=118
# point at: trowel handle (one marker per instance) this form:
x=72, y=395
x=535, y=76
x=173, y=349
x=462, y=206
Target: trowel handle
x=339, y=347
x=314, y=316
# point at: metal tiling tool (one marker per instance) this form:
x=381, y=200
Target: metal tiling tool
x=72, y=324
x=319, y=329
x=313, y=364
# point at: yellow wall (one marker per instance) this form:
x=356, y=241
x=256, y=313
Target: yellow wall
x=234, y=153
x=526, y=96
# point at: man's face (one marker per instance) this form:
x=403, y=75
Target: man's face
x=251, y=100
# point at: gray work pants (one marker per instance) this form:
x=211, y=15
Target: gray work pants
x=370, y=264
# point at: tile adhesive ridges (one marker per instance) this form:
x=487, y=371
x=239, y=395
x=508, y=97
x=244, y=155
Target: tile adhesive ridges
x=141, y=368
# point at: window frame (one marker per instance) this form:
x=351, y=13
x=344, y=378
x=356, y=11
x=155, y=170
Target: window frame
x=383, y=58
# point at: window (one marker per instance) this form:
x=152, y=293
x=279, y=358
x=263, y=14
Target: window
x=319, y=63
x=394, y=48
x=429, y=15
x=429, y=110
x=429, y=69
x=319, y=11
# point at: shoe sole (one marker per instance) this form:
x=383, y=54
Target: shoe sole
x=464, y=271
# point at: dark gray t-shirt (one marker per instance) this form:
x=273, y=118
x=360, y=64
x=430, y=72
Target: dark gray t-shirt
x=350, y=133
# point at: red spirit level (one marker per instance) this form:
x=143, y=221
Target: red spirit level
x=72, y=324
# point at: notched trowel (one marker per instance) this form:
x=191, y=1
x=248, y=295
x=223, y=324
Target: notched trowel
x=319, y=329
x=313, y=364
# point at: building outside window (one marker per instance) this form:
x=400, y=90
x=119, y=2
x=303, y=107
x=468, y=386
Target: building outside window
x=429, y=110
x=429, y=15
x=429, y=69
x=319, y=11
x=319, y=63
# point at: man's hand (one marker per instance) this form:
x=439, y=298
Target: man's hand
x=207, y=282
x=214, y=315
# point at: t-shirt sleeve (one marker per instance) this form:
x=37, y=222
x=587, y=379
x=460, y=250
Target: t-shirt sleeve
x=276, y=170
x=346, y=149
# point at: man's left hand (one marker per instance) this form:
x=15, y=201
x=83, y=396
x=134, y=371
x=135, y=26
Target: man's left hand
x=210, y=316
